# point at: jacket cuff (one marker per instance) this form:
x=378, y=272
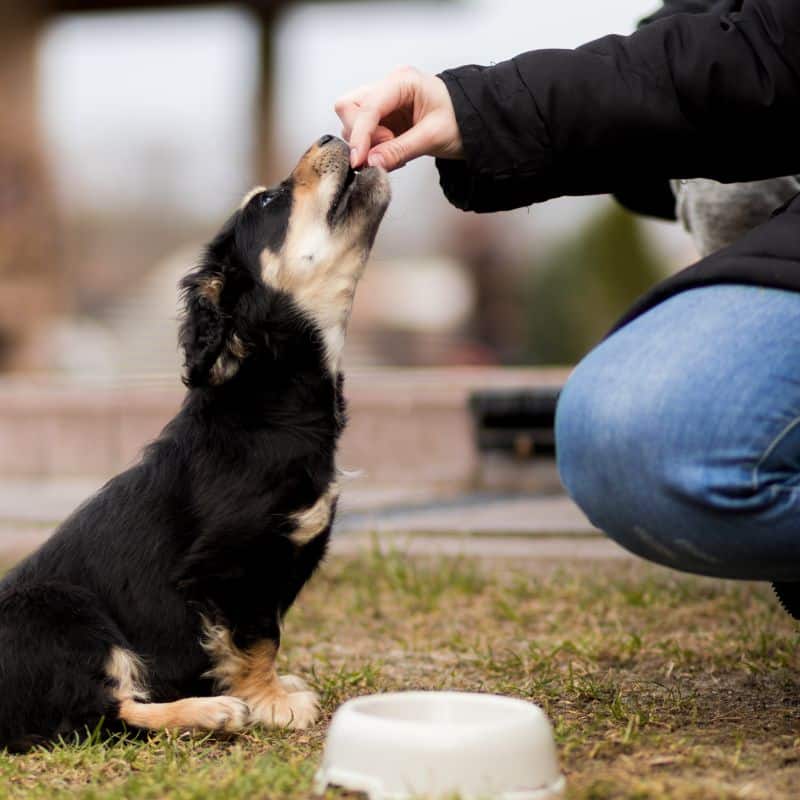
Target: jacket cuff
x=496, y=170
x=503, y=133
x=458, y=178
x=470, y=125
x=483, y=194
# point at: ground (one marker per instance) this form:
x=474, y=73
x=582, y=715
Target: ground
x=658, y=684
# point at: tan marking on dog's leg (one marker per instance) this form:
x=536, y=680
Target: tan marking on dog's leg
x=204, y=713
x=128, y=673
x=250, y=675
x=314, y=520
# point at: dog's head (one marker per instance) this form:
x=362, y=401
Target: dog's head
x=291, y=254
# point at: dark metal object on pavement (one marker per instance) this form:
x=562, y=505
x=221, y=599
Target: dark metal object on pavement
x=517, y=422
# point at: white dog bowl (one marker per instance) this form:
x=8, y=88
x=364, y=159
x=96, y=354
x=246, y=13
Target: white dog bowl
x=435, y=744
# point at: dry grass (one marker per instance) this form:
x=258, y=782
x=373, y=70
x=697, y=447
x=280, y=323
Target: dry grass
x=658, y=684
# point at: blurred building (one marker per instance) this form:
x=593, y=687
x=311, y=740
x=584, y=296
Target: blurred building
x=59, y=257
x=131, y=127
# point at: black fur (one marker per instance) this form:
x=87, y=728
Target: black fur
x=200, y=525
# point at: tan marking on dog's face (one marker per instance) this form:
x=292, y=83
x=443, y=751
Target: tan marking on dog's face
x=333, y=221
x=237, y=347
x=314, y=520
x=229, y=361
x=211, y=289
x=202, y=713
x=250, y=675
x=251, y=194
x=127, y=671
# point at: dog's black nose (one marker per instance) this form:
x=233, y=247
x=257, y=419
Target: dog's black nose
x=325, y=139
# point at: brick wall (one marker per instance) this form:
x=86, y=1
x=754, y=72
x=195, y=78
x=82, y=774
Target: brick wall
x=407, y=427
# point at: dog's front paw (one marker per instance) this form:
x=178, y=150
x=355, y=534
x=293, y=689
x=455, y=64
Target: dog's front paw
x=295, y=706
x=222, y=713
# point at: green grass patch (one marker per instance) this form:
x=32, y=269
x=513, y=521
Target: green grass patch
x=659, y=685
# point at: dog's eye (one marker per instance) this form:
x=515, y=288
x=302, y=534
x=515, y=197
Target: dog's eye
x=265, y=199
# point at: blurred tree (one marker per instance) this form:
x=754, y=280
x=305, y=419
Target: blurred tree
x=31, y=289
x=576, y=294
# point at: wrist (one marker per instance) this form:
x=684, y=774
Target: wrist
x=451, y=146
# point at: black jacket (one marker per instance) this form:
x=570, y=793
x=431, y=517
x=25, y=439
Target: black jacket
x=714, y=95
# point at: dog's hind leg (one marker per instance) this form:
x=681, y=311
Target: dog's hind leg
x=205, y=713
x=57, y=674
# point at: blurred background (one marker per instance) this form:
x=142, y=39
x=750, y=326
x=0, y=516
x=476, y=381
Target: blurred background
x=131, y=128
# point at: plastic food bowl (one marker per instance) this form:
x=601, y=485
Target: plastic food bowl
x=437, y=744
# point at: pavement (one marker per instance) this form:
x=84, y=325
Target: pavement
x=413, y=519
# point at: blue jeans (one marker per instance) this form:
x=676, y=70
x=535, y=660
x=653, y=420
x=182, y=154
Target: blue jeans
x=679, y=435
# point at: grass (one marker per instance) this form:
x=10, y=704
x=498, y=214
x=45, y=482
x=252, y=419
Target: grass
x=659, y=685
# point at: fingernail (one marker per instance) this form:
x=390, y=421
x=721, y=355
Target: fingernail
x=353, y=157
x=376, y=160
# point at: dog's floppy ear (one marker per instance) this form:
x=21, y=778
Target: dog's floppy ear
x=205, y=327
x=213, y=350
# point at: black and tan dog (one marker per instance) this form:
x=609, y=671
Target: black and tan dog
x=159, y=602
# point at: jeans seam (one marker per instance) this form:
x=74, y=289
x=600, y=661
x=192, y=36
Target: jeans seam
x=768, y=452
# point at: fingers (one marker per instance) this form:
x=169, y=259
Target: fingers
x=397, y=151
x=404, y=116
x=365, y=123
x=347, y=108
x=359, y=120
x=347, y=102
x=382, y=134
x=361, y=111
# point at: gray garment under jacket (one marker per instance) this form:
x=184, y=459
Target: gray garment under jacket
x=717, y=214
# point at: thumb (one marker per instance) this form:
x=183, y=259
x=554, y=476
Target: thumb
x=395, y=153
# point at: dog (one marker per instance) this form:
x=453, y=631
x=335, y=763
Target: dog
x=159, y=602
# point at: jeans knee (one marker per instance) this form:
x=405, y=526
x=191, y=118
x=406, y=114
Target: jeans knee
x=684, y=445
x=624, y=441
x=617, y=458
x=626, y=470
x=658, y=486
x=569, y=437
x=585, y=429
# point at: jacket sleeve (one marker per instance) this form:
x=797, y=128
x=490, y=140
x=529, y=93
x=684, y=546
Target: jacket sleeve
x=713, y=95
x=671, y=7
x=654, y=198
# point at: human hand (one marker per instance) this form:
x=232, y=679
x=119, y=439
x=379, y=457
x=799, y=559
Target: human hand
x=406, y=115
